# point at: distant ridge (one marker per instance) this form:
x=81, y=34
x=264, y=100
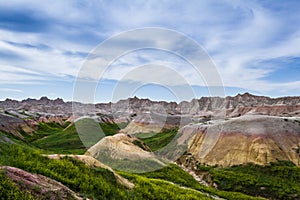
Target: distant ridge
x=246, y=95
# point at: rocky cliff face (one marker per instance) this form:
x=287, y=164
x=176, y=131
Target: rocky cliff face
x=129, y=108
x=205, y=106
x=247, y=139
x=243, y=104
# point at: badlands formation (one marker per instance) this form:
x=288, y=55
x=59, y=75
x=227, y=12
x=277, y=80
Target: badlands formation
x=212, y=130
x=255, y=139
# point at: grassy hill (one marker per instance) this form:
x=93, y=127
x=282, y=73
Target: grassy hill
x=275, y=181
x=279, y=180
x=158, y=140
x=64, y=139
x=97, y=183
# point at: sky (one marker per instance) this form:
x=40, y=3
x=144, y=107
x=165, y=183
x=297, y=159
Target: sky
x=253, y=45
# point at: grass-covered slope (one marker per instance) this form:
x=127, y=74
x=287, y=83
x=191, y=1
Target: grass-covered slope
x=88, y=182
x=158, y=140
x=175, y=174
x=275, y=181
x=148, y=188
x=170, y=182
x=61, y=141
x=94, y=183
x=280, y=180
x=9, y=191
x=65, y=139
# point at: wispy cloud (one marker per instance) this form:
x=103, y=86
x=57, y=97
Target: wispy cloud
x=11, y=90
x=41, y=41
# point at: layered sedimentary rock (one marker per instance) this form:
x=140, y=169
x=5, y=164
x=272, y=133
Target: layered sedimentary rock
x=247, y=139
x=156, y=122
x=249, y=136
x=14, y=125
x=128, y=109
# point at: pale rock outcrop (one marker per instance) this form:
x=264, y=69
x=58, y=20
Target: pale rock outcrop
x=125, y=152
x=38, y=185
x=247, y=139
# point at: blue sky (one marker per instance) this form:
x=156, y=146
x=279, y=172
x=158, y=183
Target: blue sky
x=255, y=45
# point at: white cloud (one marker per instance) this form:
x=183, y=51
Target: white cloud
x=169, y=54
x=11, y=90
x=238, y=35
x=36, y=62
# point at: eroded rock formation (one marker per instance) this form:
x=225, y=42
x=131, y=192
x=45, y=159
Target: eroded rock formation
x=247, y=139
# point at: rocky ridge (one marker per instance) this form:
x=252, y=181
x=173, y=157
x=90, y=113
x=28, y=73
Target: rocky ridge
x=129, y=108
x=142, y=114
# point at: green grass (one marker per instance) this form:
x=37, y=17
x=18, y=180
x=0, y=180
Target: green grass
x=145, y=135
x=148, y=188
x=98, y=183
x=112, y=128
x=9, y=191
x=93, y=183
x=62, y=141
x=127, y=165
x=43, y=130
x=159, y=140
x=59, y=139
x=140, y=144
x=12, y=139
x=175, y=174
x=278, y=180
x=275, y=181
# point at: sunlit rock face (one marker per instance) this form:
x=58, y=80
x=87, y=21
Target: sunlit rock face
x=248, y=139
x=125, y=152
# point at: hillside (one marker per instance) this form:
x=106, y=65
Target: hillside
x=130, y=148
x=248, y=139
x=74, y=178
